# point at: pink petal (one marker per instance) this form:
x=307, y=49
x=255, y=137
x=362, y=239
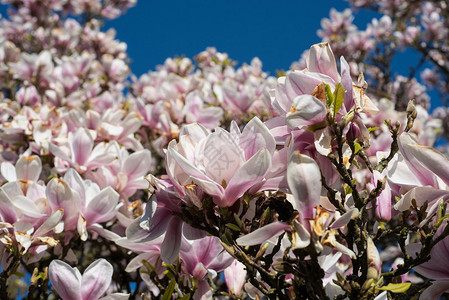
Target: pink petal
x=306, y=110
x=172, y=241
x=432, y=159
x=262, y=234
x=29, y=167
x=346, y=82
x=304, y=180
x=304, y=83
x=437, y=289
x=65, y=280
x=96, y=279
x=248, y=175
x=138, y=164
x=203, y=292
x=81, y=146
x=421, y=195
x=256, y=136
x=8, y=171
x=27, y=206
x=426, y=177
x=102, y=207
x=321, y=59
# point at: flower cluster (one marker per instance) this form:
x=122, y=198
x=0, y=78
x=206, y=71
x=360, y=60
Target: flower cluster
x=212, y=180
x=419, y=27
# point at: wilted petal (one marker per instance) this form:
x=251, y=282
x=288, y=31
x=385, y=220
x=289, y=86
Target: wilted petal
x=65, y=280
x=96, y=279
x=300, y=237
x=304, y=180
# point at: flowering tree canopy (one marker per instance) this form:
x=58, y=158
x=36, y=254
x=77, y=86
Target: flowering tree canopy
x=204, y=179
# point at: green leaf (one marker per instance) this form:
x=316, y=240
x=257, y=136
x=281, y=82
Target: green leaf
x=357, y=147
x=169, y=291
x=396, y=287
x=372, y=129
x=233, y=227
x=185, y=297
x=339, y=94
x=329, y=96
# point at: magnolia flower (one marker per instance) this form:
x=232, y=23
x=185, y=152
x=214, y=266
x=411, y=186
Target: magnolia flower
x=83, y=156
x=421, y=173
x=71, y=285
x=85, y=205
x=204, y=257
x=221, y=164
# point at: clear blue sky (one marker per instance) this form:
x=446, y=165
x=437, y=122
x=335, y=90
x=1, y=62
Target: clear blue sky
x=275, y=31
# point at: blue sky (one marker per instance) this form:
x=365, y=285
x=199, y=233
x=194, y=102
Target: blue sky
x=275, y=31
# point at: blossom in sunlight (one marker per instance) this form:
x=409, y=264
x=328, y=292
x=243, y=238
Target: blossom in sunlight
x=221, y=164
x=91, y=285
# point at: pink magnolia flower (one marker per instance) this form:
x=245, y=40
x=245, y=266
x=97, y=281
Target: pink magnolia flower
x=204, y=257
x=85, y=205
x=81, y=153
x=71, y=285
x=299, y=101
x=221, y=164
x=419, y=172
x=126, y=172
